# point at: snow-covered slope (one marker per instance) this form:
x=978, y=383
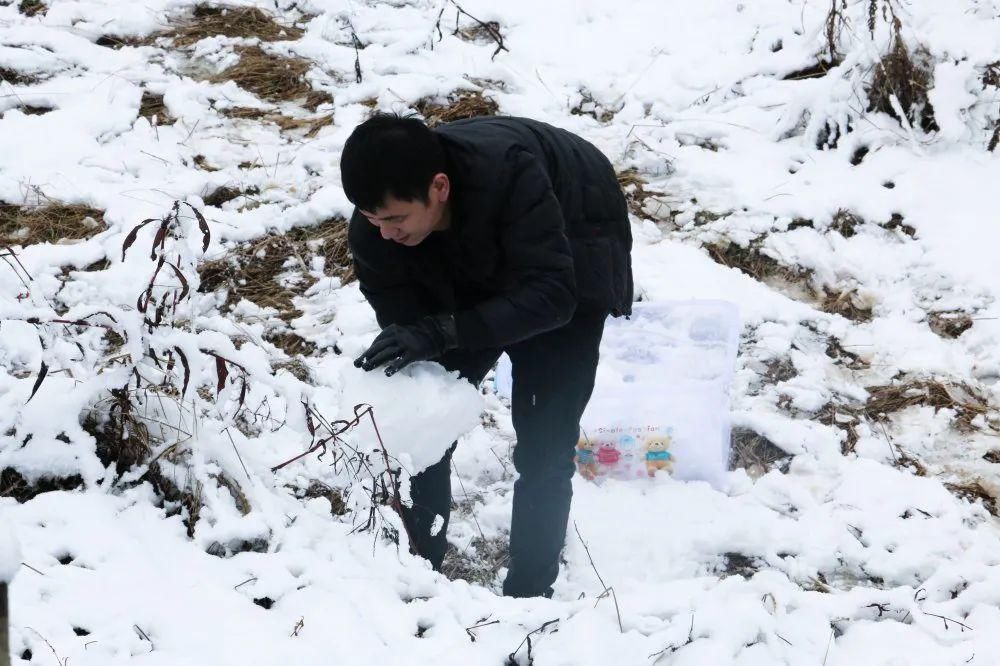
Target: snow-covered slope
x=773, y=158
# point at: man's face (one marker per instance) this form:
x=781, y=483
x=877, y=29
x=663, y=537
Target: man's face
x=410, y=222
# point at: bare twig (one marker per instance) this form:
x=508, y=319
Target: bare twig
x=472, y=509
x=946, y=620
x=482, y=623
x=670, y=649
x=607, y=590
x=511, y=658
x=143, y=635
x=25, y=564
x=238, y=456
x=60, y=661
x=252, y=579
x=491, y=30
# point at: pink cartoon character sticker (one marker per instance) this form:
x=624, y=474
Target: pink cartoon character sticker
x=608, y=453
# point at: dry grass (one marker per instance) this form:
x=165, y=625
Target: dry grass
x=481, y=566
x=754, y=262
x=779, y=370
x=235, y=491
x=964, y=400
x=32, y=7
x=738, y=564
x=907, y=77
x=238, y=22
x=754, y=452
x=252, y=270
x=886, y=400
x=815, y=71
x=846, y=223
x=189, y=497
x=845, y=357
x=636, y=194
x=201, y=162
x=16, y=78
x=225, y=194
x=334, y=495
x=896, y=223
x=991, y=75
x=480, y=33
x=121, y=438
x=316, y=99
x=949, y=324
x=273, y=77
x=849, y=304
x=467, y=104
x=151, y=106
x=292, y=344
x=312, y=126
x=13, y=484
x=118, y=41
x=972, y=491
x=49, y=223
x=845, y=419
x=588, y=106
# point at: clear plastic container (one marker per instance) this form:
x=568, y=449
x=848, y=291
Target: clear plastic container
x=661, y=400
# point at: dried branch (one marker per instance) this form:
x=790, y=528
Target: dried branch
x=946, y=620
x=490, y=29
x=512, y=657
x=607, y=590
x=482, y=623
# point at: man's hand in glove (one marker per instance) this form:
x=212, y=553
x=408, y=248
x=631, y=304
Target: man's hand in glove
x=398, y=346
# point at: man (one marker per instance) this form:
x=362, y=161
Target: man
x=483, y=236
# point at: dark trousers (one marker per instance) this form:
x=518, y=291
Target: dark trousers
x=553, y=377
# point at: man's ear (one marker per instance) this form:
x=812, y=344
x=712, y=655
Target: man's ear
x=440, y=188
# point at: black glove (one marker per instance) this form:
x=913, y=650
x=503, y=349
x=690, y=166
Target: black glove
x=401, y=345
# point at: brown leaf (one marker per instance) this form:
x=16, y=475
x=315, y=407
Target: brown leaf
x=187, y=370
x=132, y=235
x=223, y=372
x=206, y=235
x=184, y=282
x=42, y=371
x=160, y=238
x=309, y=419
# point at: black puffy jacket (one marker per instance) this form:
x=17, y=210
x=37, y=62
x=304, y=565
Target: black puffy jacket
x=539, y=230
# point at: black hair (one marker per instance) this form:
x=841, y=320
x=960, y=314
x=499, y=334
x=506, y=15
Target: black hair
x=389, y=155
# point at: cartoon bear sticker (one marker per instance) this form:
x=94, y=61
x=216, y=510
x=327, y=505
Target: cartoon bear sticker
x=657, y=454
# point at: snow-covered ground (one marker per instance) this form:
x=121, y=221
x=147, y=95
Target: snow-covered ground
x=851, y=541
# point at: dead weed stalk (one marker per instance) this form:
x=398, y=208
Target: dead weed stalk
x=901, y=81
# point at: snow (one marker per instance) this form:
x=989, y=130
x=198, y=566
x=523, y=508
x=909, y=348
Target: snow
x=823, y=558
x=10, y=553
x=420, y=411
